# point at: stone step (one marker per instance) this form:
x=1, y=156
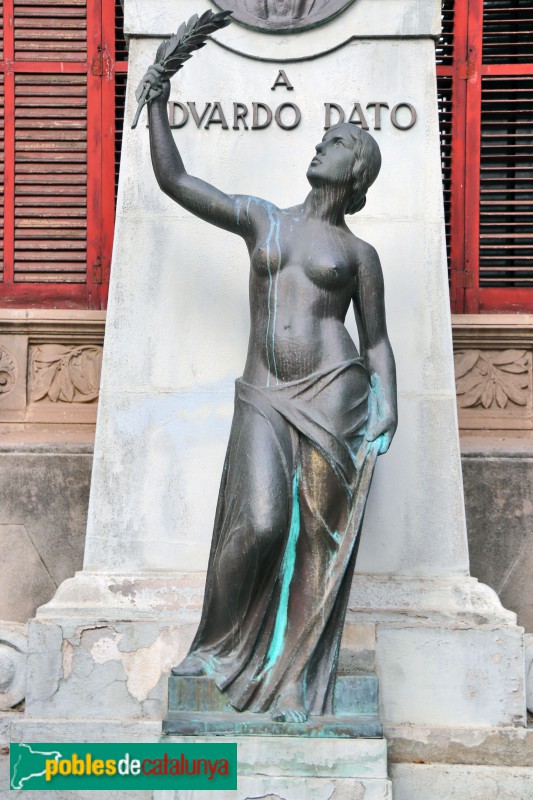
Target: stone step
x=244, y=723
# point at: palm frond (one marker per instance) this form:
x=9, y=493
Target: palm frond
x=175, y=51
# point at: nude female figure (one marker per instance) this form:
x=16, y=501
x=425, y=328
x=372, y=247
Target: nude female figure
x=311, y=416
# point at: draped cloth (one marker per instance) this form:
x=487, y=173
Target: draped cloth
x=284, y=545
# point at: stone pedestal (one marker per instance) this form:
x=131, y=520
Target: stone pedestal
x=197, y=708
x=303, y=769
x=445, y=651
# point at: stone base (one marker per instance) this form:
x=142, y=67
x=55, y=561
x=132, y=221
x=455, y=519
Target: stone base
x=16, y=727
x=464, y=763
x=289, y=788
x=289, y=768
x=232, y=723
x=425, y=762
x=436, y=781
x=198, y=708
x=103, y=647
x=303, y=769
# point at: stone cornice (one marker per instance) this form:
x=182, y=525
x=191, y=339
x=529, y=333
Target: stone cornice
x=54, y=325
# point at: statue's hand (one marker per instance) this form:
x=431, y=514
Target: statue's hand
x=157, y=87
x=383, y=430
x=382, y=419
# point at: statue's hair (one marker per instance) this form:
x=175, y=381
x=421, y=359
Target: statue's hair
x=364, y=177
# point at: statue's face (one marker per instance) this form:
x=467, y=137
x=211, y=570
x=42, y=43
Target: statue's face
x=336, y=157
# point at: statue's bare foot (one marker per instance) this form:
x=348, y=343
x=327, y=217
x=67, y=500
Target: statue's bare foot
x=191, y=665
x=289, y=707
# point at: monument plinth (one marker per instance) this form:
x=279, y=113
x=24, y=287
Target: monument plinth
x=246, y=113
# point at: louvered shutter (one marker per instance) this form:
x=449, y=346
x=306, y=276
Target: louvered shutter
x=444, y=53
x=58, y=80
x=50, y=178
x=50, y=30
x=506, y=156
x=486, y=62
x=506, y=183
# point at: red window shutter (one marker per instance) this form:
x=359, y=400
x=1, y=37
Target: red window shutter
x=491, y=178
x=57, y=70
x=50, y=178
x=50, y=30
x=506, y=186
x=506, y=157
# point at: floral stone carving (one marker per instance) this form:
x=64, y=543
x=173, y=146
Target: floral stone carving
x=65, y=373
x=8, y=371
x=491, y=378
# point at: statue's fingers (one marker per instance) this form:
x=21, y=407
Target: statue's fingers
x=140, y=90
x=385, y=443
x=154, y=72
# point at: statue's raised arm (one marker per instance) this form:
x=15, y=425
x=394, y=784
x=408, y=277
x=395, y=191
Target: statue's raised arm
x=194, y=194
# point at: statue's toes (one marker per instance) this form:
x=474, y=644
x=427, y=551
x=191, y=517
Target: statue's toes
x=298, y=715
x=289, y=715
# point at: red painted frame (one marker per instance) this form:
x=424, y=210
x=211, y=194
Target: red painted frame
x=467, y=73
x=100, y=69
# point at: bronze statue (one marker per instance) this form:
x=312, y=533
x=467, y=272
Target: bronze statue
x=311, y=416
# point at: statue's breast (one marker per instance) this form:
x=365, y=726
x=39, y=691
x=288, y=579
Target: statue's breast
x=267, y=258
x=327, y=273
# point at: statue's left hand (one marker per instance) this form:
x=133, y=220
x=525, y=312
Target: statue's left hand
x=384, y=433
x=382, y=419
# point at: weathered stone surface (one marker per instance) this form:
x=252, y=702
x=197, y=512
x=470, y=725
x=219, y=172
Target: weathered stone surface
x=499, y=507
x=18, y=728
x=260, y=788
x=529, y=672
x=433, y=782
x=42, y=523
x=306, y=757
x=111, y=670
x=451, y=676
x=151, y=622
x=484, y=746
x=304, y=769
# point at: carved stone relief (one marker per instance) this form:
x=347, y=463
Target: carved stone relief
x=50, y=366
x=284, y=16
x=492, y=379
x=493, y=371
x=494, y=389
x=8, y=371
x=62, y=373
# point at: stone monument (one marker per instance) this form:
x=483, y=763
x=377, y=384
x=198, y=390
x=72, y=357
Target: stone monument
x=449, y=658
